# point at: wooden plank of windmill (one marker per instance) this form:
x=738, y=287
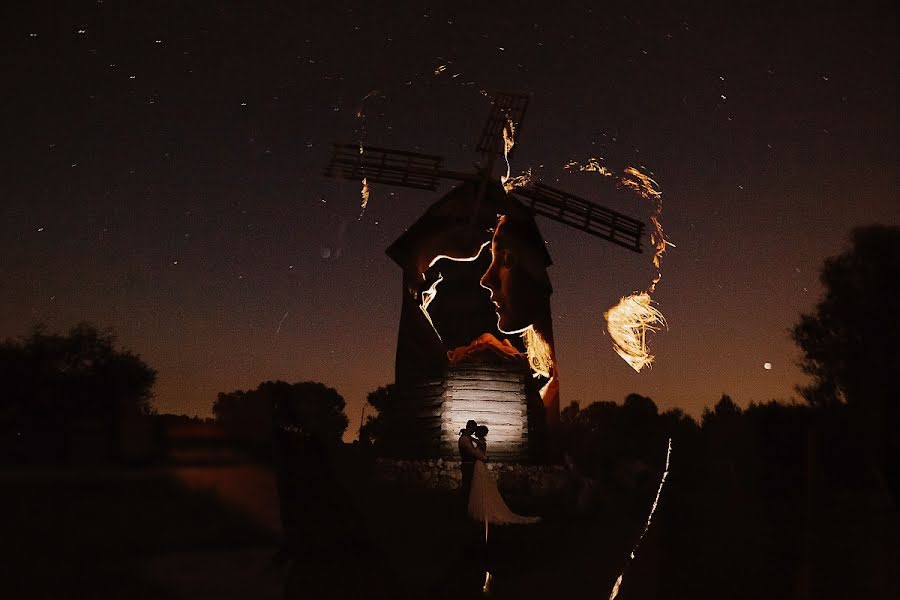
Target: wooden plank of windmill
x=582, y=214
x=385, y=165
x=505, y=107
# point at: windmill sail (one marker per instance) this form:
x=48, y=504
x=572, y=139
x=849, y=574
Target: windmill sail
x=584, y=215
x=383, y=165
x=506, y=108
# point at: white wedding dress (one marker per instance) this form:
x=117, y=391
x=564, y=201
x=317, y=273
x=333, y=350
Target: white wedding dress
x=486, y=503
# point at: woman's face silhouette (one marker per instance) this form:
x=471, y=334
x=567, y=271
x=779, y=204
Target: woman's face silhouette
x=513, y=292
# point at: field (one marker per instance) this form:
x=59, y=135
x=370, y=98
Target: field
x=212, y=532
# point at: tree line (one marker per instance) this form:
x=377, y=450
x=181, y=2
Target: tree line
x=54, y=387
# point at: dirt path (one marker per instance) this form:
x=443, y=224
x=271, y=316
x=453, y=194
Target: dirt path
x=246, y=487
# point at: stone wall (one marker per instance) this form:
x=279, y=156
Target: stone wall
x=535, y=480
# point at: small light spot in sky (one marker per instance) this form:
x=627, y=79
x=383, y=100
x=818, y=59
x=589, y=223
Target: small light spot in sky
x=767, y=366
x=40, y=229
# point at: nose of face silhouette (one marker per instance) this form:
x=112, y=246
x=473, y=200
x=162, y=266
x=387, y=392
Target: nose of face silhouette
x=496, y=279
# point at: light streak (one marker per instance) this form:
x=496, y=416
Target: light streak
x=592, y=164
x=461, y=258
x=427, y=297
x=430, y=294
x=486, y=588
x=509, y=140
x=662, y=482
x=364, y=192
x=648, y=189
x=487, y=574
x=629, y=321
x=543, y=391
x=360, y=112
x=361, y=115
x=280, y=323
x=519, y=181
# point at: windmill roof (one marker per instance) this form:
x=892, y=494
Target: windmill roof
x=458, y=224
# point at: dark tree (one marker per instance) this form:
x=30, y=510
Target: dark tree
x=313, y=408
x=394, y=430
x=723, y=413
x=568, y=416
x=245, y=416
x=612, y=442
x=310, y=408
x=56, y=385
x=850, y=343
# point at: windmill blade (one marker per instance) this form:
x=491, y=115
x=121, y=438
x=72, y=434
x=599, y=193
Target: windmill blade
x=584, y=215
x=505, y=107
x=382, y=165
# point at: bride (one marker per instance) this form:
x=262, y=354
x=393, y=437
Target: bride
x=485, y=501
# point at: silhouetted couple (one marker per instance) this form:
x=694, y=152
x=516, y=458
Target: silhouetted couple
x=479, y=488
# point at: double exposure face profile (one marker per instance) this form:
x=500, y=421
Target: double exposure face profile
x=517, y=276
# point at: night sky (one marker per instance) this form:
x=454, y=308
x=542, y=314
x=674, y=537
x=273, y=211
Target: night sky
x=162, y=176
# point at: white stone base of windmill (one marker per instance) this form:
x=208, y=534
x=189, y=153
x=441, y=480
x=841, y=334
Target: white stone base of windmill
x=495, y=395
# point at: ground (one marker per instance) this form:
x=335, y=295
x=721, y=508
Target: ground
x=212, y=532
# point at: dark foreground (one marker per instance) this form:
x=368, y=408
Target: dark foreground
x=212, y=532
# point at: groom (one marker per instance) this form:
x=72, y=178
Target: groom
x=468, y=454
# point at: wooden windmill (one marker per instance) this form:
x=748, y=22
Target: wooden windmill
x=444, y=385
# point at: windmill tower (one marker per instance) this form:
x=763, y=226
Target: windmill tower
x=475, y=339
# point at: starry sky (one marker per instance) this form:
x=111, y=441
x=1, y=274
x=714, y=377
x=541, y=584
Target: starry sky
x=162, y=176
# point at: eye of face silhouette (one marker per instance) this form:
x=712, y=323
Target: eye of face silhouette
x=509, y=259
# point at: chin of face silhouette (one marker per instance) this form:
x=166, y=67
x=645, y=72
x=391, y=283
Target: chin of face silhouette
x=517, y=276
